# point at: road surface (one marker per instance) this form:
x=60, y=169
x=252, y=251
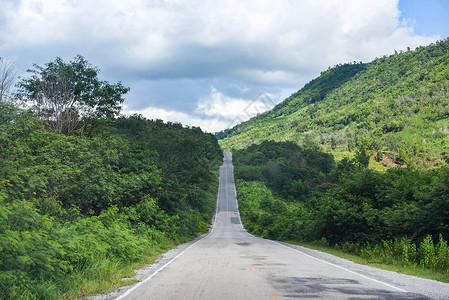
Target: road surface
x=229, y=263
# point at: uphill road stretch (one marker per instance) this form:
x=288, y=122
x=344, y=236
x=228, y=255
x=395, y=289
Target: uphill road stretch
x=229, y=263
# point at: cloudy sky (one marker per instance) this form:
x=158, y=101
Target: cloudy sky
x=213, y=63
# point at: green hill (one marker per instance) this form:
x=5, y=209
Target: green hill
x=399, y=104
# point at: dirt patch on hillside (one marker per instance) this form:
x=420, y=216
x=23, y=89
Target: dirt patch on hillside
x=389, y=160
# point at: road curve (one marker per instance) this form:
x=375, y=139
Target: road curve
x=229, y=263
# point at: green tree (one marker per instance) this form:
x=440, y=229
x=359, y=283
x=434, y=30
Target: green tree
x=67, y=95
x=361, y=154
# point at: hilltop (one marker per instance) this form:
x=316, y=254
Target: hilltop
x=397, y=105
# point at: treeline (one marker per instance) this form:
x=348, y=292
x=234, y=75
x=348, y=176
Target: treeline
x=291, y=192
x=84, y=202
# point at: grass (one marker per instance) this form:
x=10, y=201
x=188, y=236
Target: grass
x=106, y=276
x=409, y=270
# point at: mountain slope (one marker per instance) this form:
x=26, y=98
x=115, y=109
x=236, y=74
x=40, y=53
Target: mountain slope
x=400, y=103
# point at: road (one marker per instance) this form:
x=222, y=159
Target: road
x=229, y=263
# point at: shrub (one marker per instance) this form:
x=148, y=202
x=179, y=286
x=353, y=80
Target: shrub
x=426, y=253
x=442, y=255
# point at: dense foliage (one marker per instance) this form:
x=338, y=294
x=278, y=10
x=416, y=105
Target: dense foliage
x=400, y=102
x=79, y=209
x=298, y=193
x=286, y=168
x=68, y=95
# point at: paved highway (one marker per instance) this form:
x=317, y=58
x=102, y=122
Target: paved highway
x=229, y=263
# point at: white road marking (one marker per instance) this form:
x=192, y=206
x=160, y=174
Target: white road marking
x=340, y=267
x=169, y=262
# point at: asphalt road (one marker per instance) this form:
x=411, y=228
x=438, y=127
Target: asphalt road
x=229, y=263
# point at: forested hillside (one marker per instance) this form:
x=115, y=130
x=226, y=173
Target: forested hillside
x=85, y=200
x=398, y=104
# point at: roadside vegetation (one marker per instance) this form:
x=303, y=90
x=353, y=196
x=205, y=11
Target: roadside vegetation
x=86, y=195
x=397, y=217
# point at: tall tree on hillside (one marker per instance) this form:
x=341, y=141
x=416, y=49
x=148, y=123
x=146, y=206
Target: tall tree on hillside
x=362, y=154
x=67, y=95
x=6, y=77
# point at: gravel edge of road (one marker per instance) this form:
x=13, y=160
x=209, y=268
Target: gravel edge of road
x=412, y=284
x=142, y=274
x=150, y=269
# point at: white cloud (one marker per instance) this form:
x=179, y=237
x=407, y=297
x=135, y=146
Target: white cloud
x=257, y=36
x=219, y=105
x=213, y=113
x=261, y=44
x=207, y=124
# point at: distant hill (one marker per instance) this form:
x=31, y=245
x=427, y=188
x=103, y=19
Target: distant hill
x=399, y=103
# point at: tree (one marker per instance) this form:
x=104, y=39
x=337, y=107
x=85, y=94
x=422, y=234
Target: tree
x=6, y=77
x=362, y=155
x=67, y=95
